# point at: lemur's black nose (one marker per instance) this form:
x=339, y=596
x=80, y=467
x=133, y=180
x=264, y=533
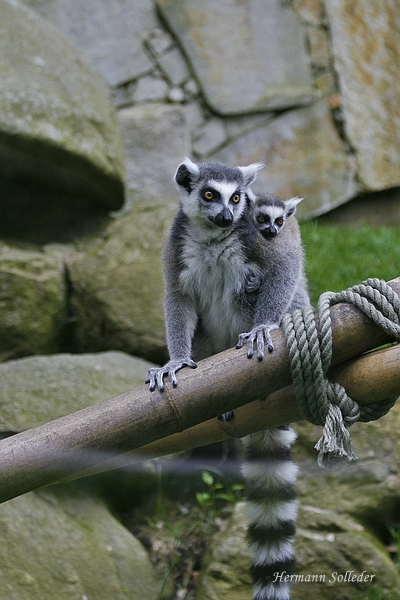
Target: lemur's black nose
x=269, y=232
x=224, y=218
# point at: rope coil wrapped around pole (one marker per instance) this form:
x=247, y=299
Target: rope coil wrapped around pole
x=322, y=402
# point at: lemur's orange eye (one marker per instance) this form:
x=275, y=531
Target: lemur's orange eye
x=208, y=195
x=279, y=222
x=260, y=219
x=235, y=198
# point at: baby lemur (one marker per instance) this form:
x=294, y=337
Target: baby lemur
x=226, y=283
x=271, y=213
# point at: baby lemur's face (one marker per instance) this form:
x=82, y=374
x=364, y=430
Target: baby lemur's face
x=270, y=213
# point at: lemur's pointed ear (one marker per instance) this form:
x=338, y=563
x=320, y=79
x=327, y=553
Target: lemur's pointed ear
x=251, y=196
x=186, y=174
x=291, y=205
x=250, y=172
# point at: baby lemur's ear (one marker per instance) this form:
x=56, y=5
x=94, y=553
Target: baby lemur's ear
x=250, y=172
x=186, y=174
x=291, y=205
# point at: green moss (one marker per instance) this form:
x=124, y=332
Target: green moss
x=32, y=301
x=63, y=543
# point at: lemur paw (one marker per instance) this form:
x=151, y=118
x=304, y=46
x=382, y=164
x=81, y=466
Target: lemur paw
x=261, y=336
x=155, y=376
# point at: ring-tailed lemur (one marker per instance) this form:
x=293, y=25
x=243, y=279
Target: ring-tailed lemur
x=281, y=292
x=222, y=279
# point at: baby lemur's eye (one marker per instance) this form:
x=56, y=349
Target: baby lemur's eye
x=260, y=219
x=235, y=198
x=208, y=195
x=279, y=222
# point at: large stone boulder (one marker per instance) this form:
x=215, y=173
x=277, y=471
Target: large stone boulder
x=118, y=287
x=338, y=559
x=248, y=56
x=365, y=38
x=38, y=389
x=328, y=546
x=226, y=568
x=156, y=138
x=58, y=129
x=65, y=544
x=367, y=489
x=109, y=32
x=33, y=303
x=303, y=156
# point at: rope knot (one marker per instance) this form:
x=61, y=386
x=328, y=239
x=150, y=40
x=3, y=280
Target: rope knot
x=322, y=402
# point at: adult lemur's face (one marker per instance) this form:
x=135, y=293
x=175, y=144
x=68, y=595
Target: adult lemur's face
x=214, y=193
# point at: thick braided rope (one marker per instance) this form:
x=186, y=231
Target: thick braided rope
x=323, y=402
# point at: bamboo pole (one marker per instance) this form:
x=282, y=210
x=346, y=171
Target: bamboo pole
x=223, y=382
x=370, y=378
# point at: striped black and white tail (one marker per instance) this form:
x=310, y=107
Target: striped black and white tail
x=270, y=474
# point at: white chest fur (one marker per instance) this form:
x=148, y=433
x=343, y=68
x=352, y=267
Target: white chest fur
x=214, y=275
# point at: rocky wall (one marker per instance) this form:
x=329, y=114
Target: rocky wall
x=100, y=100
x=239, y=76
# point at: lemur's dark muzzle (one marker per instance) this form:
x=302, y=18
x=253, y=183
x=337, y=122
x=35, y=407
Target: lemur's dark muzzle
x=269, y=232
x=223, y=219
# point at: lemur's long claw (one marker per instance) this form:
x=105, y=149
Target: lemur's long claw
x=260, y=336
x=155, y=376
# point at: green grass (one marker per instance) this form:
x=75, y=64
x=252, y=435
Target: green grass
x=339, y=257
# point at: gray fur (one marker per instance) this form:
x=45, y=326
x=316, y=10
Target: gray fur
x=283, y=287
x=206, y=265
x=224, y=277
x=224, y=283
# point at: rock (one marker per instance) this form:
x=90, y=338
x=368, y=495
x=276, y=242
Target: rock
x=328, y=546
x=303, y=156
x=365, y=38
x=374, y=209
x=248, y=57
x=192, y=89
x=311, y=11
x=343, y=557
x=38, y=389
x=58, y=129
x=123, y=94
x=368, y=488
x=194, y=116
x=176, y=94
x=158, y=42
x=326, y=86
x=67, y=545
x=209, y=137
x=117, y=286
x=320, y=54
x=225, y=574
x=174, y=67
x=109, y=32
x=240, y=125
x=33, y=303
x=156, y=140
x=150, y=89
